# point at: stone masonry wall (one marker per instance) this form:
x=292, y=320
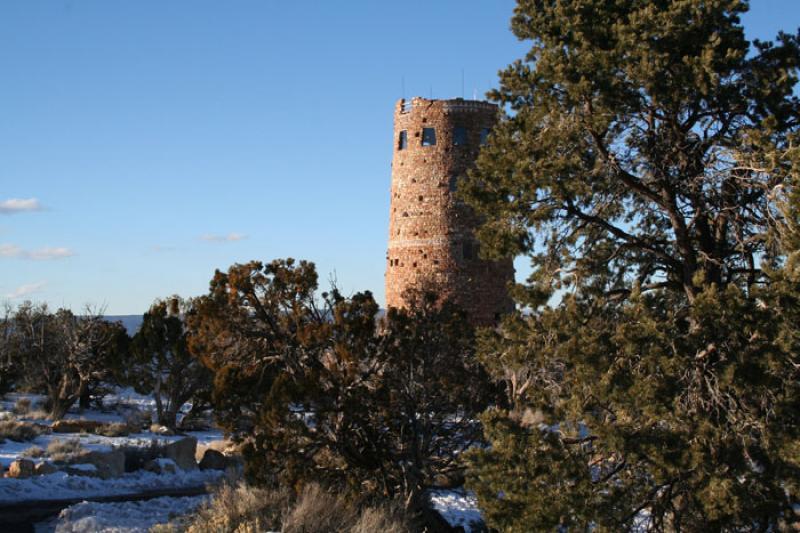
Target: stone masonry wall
x=431, y=239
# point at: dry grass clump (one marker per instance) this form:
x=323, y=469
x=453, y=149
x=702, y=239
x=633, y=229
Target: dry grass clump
x=244, y=509
x=63, y=450
x=318, y=510
x=381, y=519
x=19, y=431
x=22, y=406
x=33, y=452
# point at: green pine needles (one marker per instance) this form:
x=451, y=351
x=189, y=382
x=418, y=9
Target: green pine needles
x=647, y=167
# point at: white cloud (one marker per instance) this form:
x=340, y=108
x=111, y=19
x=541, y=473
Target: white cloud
x=26, y=290
x=230, y=237
x=19, y=205
x=9, y=250
x=46, y=254
x=42, y=254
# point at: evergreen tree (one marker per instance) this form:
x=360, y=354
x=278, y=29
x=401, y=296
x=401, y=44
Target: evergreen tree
x=161, y=362
x=648, y=168
x=319, y=389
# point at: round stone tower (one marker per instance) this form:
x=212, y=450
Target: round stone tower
x=431, y=233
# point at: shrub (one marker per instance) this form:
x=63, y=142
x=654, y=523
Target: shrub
x=63, y=450
x=319, y=510
x=22, y=406
x=33, y=452
x=319, y=391
x=19, y=431
x=244, y=508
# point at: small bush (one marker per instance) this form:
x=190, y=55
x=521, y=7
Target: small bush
x=33, y=452
x=19, y=431
x=320, y=511
x=63, y=450
x=386, y=519
x=245, y=509
x=241, y=508
x=22, y=406
x=137, y=420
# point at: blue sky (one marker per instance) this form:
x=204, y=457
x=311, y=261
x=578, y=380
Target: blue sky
x=145, y=143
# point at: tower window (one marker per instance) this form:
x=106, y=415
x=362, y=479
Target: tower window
x=459, y=136
x=484, y=136
x=402, y=143
x=428, y=136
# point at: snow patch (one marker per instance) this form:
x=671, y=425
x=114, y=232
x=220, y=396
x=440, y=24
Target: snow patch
x=458, y=507
x=61, y=486
x=121, y=517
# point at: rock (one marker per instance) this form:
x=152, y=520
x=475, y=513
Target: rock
x=21, y=468
x=182, y=452
x=45, y=468
x=75, y=426
x=161, y=466
x=213, y=460
x=109, y=464
x=82, y=469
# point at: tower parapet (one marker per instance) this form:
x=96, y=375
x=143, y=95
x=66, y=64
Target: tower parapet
x=431, y=232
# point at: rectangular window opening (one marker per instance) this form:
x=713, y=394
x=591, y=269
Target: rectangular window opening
x=484, y=136
x=459, y=136
x=402, y=143
x=428, y=136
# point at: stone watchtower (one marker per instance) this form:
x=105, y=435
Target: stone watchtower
x=431, y=233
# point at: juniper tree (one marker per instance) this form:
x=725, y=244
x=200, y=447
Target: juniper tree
x=161, y=363
x=647, y=167
x=318, y=389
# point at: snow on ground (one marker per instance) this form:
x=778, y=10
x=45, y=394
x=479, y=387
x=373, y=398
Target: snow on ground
x=120, y=517
x=457, y=507
x=61, y=486
x=115, y=407
x=10, y=450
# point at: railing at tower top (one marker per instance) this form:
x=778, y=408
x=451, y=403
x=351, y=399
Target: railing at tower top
x=467, y=105
x=457, y=104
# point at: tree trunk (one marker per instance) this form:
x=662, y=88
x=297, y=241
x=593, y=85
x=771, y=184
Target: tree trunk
x=84, y=402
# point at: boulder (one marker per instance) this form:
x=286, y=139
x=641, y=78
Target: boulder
x=82, y=469
x=75, y=426
x=45, y=468
x=182, y=452
x=213, y=460
x=21, y=468
x=109, y=464
x=161, y=466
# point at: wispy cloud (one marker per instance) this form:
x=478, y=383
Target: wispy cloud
x=41, y=254
x=230, y=237
x=26, y=290
x=19, y=205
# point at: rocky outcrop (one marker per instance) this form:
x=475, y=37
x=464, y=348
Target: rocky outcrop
x=182, y=452
x=45, y=468
x=109, y=464
x=21, y=468
x=213, y=460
